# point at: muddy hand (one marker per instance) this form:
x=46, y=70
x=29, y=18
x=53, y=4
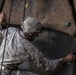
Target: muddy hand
x=70, y=57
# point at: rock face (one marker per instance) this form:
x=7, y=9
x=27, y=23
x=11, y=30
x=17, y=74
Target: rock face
x=14, y=11
x=52, y=14
x=56, y=45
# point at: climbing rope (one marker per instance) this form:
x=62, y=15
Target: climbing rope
x=6, y=38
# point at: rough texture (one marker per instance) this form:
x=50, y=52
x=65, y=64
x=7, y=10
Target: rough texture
x=53, y=12
x=14, y=11
x=55, y=44
x=6, y=10
x=17, y=12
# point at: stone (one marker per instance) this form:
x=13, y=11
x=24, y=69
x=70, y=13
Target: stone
x=52, y=14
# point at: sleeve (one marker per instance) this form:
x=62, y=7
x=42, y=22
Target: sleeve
x=37, y=57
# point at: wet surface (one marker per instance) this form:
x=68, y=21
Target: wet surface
x=55, y=44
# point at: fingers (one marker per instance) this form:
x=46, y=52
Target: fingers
x=70, y=57
x=73, y=57
x=1, y=17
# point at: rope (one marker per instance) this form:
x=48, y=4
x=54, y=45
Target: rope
x=6, y=38
x=24, y=11
x=4, y=51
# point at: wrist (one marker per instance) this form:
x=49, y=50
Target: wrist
x=64, y=59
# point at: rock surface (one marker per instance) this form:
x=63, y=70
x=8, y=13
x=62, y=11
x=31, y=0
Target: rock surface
x=56, y=45
x=52, y=14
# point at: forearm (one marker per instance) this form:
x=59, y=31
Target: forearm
x=41, y=61
x=38, y=58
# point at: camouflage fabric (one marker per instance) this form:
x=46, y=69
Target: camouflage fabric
x=19, y=49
